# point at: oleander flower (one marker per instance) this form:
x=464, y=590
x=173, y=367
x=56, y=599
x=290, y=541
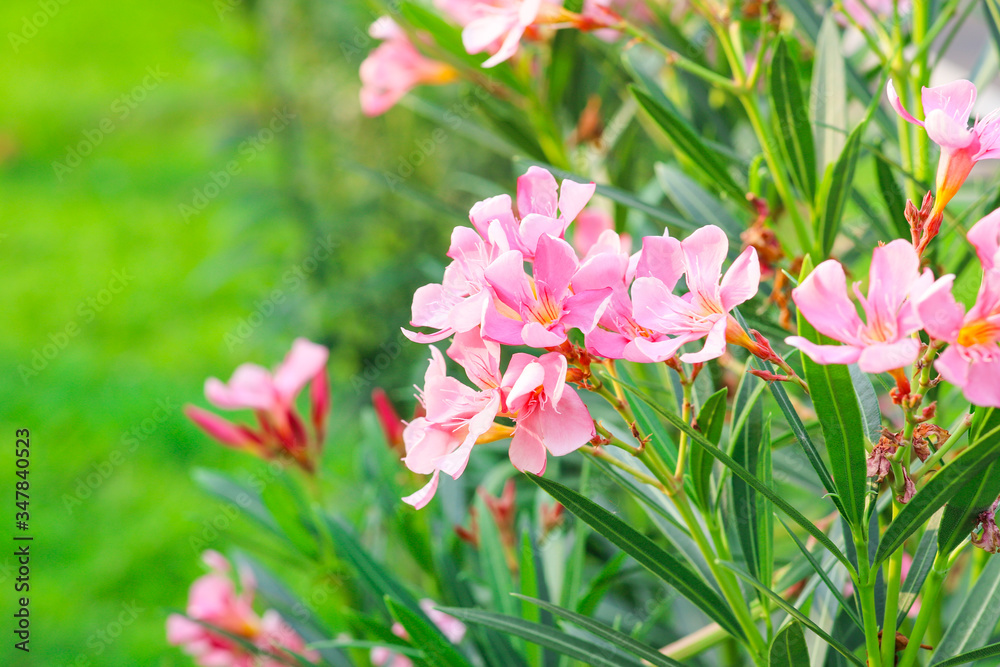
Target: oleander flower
x=885, y=341
x=214, y=600
x=549, y=415
x=972, y=359
x=281, y=431
x=539, y=310
x=590, y=226
x=862, y=11
x=450, y=627
x=946, y=120
x=988, y=538
x=395, y=67
x=457, y=416
x=608, y=265
x=459, y=302
x=702, y=313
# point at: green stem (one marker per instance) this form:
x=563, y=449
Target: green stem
x=675, y=59
x=599, y=453
x=774, y=166
x=893, y=576
x=866, y=590
x=936, y=457
x=928, y=607
x=917, y=82
x=682, y=446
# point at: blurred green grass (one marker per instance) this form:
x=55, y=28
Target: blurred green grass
x=113, y=509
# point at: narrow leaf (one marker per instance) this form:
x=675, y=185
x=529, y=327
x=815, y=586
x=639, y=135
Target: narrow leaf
x=990, y=651
x=747, y=441
x=710, y=421
x=828, y=97
x=591, y=653
x=687, y=143
x=789, y=648
x=839, y=413
x=835, y=190
x=961, y=514
x=438, y=651
x=663, y=564
x=609, y=634
x=792, y=119
x=977, y=617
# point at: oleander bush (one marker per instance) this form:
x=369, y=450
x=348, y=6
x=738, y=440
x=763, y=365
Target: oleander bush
x=654, y=426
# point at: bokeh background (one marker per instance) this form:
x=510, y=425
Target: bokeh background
x=184, y=187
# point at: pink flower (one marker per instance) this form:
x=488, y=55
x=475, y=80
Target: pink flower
x=590, y=225
x=459, y=302
x=550, y=416
x=616, y=332
x=972, y=359
x=214, y=600
x=394, y=68
x=538, y=311
x=947, y=110
x=704, y=311
x=457, y=416
x=862, y=10
x=985, y=237
x=281, y=431
x=450, y=627
x=885, y=343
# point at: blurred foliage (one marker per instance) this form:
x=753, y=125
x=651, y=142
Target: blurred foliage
x=113, y=508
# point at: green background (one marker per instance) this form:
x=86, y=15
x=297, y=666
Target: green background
x=100, y=378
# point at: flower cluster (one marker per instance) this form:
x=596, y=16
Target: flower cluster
x=281, y=431
x=514, y=280
x=901, y=302
x=214, y=604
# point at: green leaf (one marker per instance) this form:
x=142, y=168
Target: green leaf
x=710, y=421
x=698, y=439
x=791, y=116
x=663, y=564
x=493, y=564
x=532, y=586
x=990, y=651
x=609, y=634
x=871, y=414
x=818, y=568
x=580, y=648
x=747, y=441
x=242, y=498
x=920, y=567
x=379, y=580
x=828, y=95
x=789, y=648
x=839, y=413
x=835, y=190
x=974, y=622
x=794, y=613
x=892, y=195
x=961, y=514
x=946, y=483
x=696, y=203
x=688, y=144
x=438, y=650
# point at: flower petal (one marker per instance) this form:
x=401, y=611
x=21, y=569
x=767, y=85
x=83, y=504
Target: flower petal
x=741, y=280
x=885, y=357
x=825, y=354
x=305, y=360
x=704, y=252
x=894, y=100
x=822, y=299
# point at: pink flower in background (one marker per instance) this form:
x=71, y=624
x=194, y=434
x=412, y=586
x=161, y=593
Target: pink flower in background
x=885, y=342
x=450, y=627
x=457, y=416
x=702, y=313
x=947, y=109
x=214, y=600
x=861, y=10
x=972, y=360
x=550, y=416
x=394, y=68
x=281, y=431
x=504, y=24
x=590, y=226
x=538, y=311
